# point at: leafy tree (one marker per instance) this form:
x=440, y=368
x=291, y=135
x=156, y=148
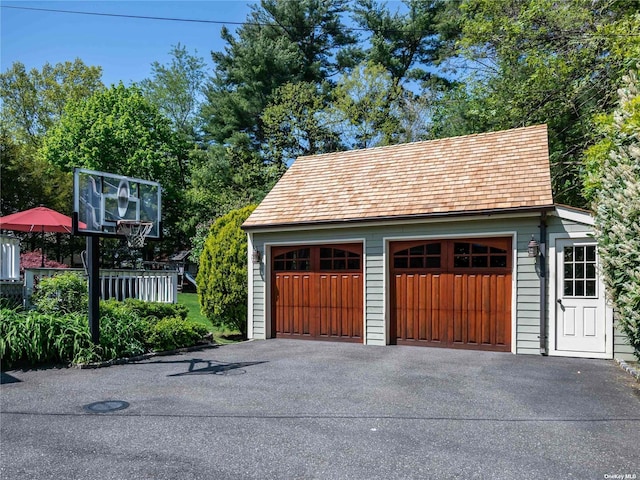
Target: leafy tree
x=177, y=90
x=282, y=42
x=614, y=183
x=541, y=62
x=226, y=178
x=406, y=44
x=27, y=181
x=33, y=259
x=366, y=107
x=118, y=130
x=294, y=124
x=222, y=277
x=33, y=101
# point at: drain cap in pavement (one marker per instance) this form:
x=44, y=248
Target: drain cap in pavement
x=106, y=406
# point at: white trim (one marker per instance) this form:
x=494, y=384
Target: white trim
x=573, y=214
x=315, y=242
x=514, y=273
x=514, y=293
x=386, y=315
x=267, y=268
x=267, y=291
x=551, y=301
x=365, y=330
x=390, y=222
x=250, y=285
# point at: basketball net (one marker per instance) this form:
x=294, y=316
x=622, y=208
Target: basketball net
x=135, y=232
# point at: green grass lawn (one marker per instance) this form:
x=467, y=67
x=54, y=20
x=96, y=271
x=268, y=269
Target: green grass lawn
x=190, y=300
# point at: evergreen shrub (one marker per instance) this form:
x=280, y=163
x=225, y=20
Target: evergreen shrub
x=222, y=276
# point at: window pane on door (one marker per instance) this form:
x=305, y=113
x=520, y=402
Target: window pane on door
x=568, y=288
x=568, y=270
x=580, y=273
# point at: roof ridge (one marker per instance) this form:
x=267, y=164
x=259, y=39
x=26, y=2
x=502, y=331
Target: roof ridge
x=373, y=150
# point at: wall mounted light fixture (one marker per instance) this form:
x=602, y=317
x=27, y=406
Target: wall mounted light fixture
x=256, y=256
x=533, y=249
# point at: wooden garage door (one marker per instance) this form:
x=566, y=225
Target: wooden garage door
x=317, y=292
x=452, y=293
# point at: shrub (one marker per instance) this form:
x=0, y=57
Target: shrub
x=172, y=333
x=63, y=293
x=33, y=338
x=222, y=276
x=156, y=310
x=122, y=331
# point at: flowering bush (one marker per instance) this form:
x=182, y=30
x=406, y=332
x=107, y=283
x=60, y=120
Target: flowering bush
x=617, y=206
x=34, y=260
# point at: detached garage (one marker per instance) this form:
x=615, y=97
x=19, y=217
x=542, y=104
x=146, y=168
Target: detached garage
x=452, y=243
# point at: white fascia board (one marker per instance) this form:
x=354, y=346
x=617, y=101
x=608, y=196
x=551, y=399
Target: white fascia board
x=574, y=214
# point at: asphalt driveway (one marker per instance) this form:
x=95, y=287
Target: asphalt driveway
x=299, y=409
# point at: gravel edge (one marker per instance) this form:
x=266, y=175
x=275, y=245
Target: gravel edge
x=629, y=369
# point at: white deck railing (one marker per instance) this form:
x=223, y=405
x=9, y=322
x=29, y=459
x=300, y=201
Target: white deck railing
x=9, y=258
x=148, y=285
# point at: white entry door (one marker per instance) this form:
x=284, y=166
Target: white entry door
x=580, y=312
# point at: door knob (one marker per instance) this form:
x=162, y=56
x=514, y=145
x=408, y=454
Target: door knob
x=559, y=301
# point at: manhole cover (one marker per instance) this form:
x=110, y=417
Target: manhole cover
x=106, y=406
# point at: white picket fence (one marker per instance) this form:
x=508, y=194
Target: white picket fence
x=9, y=258
x=148, y=285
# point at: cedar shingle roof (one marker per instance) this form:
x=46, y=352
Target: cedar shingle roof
x=473, y=173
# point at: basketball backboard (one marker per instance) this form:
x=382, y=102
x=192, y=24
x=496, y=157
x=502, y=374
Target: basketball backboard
x=103, y=200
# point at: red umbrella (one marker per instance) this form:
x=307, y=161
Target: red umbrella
x=38, y=219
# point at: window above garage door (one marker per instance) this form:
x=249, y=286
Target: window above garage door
x=453, y=255
x=318, y=258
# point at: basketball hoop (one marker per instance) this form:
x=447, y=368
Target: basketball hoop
x=135, y=232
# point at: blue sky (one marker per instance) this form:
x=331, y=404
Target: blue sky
x=123, y=47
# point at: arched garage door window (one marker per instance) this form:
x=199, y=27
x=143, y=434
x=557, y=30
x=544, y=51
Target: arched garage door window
x=294, y=260
x=318, y=258
x=453, y=255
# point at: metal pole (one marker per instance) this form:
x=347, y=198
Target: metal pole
x=42, y=261
x=93, y=271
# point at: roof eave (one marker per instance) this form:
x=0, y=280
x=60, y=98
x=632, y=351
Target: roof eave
x=401, y=218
